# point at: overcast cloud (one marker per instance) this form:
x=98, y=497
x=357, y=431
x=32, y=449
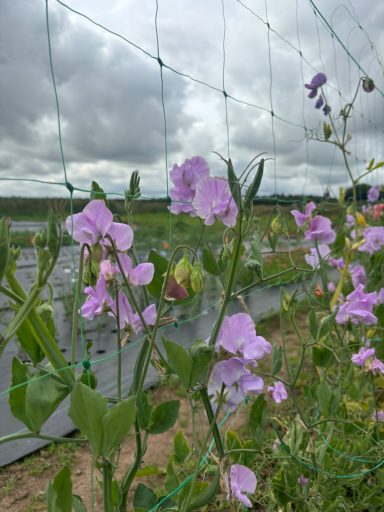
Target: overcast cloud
x=110, y=93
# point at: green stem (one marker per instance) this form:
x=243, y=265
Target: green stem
x=54, y=439
x=76, y=303
x=118, y=346
x=130, y=475
x=212, y=421
x=107, y=486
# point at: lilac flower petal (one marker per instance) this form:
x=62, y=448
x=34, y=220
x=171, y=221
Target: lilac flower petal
x=251, y=383
x=279, y=393
x=213, y=200
x=313, y=258
x=319, y=102
x=121, y=234
x=373, y=194
x=98, y=213
x=320, y=229
x=241, y=479
x=142, y=274
x=361, y=357
x=374, y=239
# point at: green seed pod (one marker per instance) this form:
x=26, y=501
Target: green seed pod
x=197, y=278
x=53, y=235
x=40, y=240
x=183, y=272
x=97, y=252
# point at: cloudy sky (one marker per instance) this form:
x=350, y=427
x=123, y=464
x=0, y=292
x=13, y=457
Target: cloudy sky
x=109, y=91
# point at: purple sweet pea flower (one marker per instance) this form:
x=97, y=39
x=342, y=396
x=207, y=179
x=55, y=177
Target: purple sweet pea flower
x=184, y=179
x=358, y=274
x=129, y=320
x=319, y=102
x=320, y=229
x=313, y=258
x=374, y=239
x=98, y=300
x=301, y=218
x=349, y=221
x=337, y=262
x=317, y=81
x=326, y=110
x=378, y=416
x=239, y=381
x=358, y=308
x=302, y=480
x=241, y=480
x=373, y=194
x=140, y=275
x=238, y=336
x=376, y=366
x=331, y=287
x=279, y=393
x=361, y=357
x=108, y=270
x=95, y=222
x=213, y=200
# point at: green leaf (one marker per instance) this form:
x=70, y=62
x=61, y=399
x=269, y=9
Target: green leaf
x=327, y=131
x=164, y=416
x=59, y=493
x=209, y=263
x=181, y=448
x=377, y=166
x=144, y=499
x=233, y=183
x=179, y=360
x=149, y=470
x=277, y=359
x=324, y=397
x=78, y=504
x=116, y=493
x=97, y=192
x=255, y=185
x=144, y=410
x=44, y=394
x=322, y=356
x=160, y=265
x=86, y=411
x=326, y=324
x=117, y=423
x=257, y=420
x=233, y=442
x=313, y=325
x=18, y=393
x=171, y=480
x=201, y=359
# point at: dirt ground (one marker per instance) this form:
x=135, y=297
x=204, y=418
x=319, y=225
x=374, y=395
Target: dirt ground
x=23, y=484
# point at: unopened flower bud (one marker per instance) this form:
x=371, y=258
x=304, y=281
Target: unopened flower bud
x=341, y=195
x=45, y=311
x=360, y=219
x=97, y=252
x=277, y=225
x=371, y=333
x=183, y=272
x=197, y=278
x=40, y=240
x=368, y=84
x=91, y=272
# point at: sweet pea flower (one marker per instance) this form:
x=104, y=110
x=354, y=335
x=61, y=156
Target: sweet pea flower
x=213, y=201
x=301, y=218
x=373, y=194
x=238, y=382
x=98, y=300
x=320, y=229
x=302, y=480
x=374, y=239
x=376, y=366
x=358, y=308
x=95, y=222
x=241, y=480
x=319, y=102
x=238, y=336
x=378, y=416
x=358, y=274
x=349, y=221
x=377, y=211
x=129, y=320
x=331, y=287
x=337, y=262
x=313, y=258
x=184, y=179
x=279, y=392
x=140, y=275
x=361, y=357
x=317, y=81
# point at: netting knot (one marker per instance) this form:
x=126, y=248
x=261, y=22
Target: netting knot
x=161, y=63
x=175, y=324
x=272, y=113
x=225, y=94
x=69, y=186
x=86, y=365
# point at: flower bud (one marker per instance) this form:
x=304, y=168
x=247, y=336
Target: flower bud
x=368, y=84
x=45, y=310
x=277, y=225
x=40, y=240
x=341, y=195
x=183, y=272
x=97, y=252
x=197, y=278
x=360, y=219
x=91, y=271
x=371, y=333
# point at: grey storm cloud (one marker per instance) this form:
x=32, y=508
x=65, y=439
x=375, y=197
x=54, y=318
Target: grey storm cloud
x=110, y=93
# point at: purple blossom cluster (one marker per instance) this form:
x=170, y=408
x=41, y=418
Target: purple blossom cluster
x=197, y=193
x=239, y=481
x=365, y=359
x=238, y=337
x=92, y=226
x=316, y=83
x=358, y=307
